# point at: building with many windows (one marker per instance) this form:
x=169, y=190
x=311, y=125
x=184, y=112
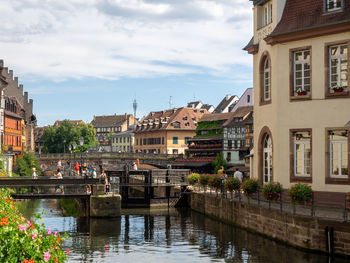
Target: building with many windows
x=167, y=132
x=301, y=86
x=123, y=141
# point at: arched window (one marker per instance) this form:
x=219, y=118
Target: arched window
x=267, y=159
x=265, y=79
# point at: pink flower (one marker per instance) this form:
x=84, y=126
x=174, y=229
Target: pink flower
x=55, y=234
x=22, y=228
x=46, y=256
x=49, y=231
x=34, y=236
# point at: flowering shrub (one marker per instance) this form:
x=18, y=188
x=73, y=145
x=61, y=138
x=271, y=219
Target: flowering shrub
x=204, y=179
x=193, y=178
x=250, y=187
x=301, y=193
x=348, y=197
x=26, y=241
x=232, y=184
x=272, y=191
x=215, y=181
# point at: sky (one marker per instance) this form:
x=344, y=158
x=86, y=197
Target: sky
x=80, y=58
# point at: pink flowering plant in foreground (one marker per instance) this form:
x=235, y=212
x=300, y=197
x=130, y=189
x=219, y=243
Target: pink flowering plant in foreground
x=272, y=191
x=26, y=241
x=300, y=193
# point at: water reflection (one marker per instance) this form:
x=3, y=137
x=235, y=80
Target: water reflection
x=168, y=236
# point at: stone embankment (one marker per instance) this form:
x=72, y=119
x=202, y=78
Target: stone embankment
x=312, y=233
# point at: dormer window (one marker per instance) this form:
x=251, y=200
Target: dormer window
x=333, y=5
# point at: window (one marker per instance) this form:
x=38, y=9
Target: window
x=338, y=68
x=333, y=5
x=301, y=157
x=265, y=79
x=162, y=140
x=176, y=124
x=175, y=140
x=267, y=17
x=267, y=159
x=186, y=140
x=248, y=98
x=301, y=73
x=137, y=141
x=338, y=153
x=228, y=158
x=229, y=143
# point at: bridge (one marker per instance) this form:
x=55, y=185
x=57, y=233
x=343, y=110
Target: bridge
x=109, y=159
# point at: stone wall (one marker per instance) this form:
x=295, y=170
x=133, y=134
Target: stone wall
x=304, y=232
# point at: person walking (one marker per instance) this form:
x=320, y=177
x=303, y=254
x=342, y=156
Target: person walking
x=59, y=176
x=76, y=169
x=104, y=178
x=238, y=175
x=34, y=175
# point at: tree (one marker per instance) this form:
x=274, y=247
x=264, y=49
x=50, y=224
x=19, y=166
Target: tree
x=218, y=162
x=67, y=132
x=25, y=164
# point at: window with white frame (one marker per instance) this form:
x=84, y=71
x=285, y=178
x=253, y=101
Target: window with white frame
x=267, y=14
x=338, y=153
x=302, y=74
x=333, y=5
x=302, y=153
x=338, y=68
x=266, y=80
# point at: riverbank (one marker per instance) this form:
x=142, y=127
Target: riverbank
x=299, y=231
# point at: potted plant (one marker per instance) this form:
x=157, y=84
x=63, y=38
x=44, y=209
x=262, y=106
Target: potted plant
x=301, y=92
x=215, y=182
x=232, y=184
x=272, y=191
x=300, y=193
x=337, y=89
x=203, y=180
x=193, y=179
x=250, y=187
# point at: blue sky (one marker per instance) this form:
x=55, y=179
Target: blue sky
x=82, y=58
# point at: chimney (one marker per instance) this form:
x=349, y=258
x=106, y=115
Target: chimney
x=228, y=96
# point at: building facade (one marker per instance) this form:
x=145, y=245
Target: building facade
x=167, y=132
x=123, y=142
x=247, y=99
x=106, y=126
x=227, y=104
x=301, y=89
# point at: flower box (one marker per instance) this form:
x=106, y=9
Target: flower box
x=338, y=90
x=301, y=93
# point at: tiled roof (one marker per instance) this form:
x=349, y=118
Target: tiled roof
x=241, y=112
x=194, y=103
x=110, y=120
x=301, y=15
x=217, y=116
x=174, y=119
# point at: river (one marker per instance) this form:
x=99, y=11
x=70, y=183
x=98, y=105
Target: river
x=162, y=235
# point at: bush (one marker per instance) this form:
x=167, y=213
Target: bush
x=218, y=162
x=193, y=178
x=300, y=193
x=215, y=181
x=26, y=241
x=25, y=164
x=250, y=187
x=232, y=184
x=204, y=179
x=272, y=191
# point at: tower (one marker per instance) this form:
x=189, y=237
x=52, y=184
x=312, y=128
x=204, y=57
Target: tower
x=134, y=105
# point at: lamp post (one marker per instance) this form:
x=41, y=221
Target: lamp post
x=74, y=145
x=64, y=146
x=81, y=142
x=70, y=159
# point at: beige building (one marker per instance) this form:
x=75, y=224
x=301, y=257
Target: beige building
x=301, y=92
x=167, y=132
x=123, y=142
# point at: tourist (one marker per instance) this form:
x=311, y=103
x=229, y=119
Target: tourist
x=134, y=166
x=88, y=189
x=238, y=175
x=76, y=169
x=104, y=178
x=221, y=170
x=94, y=173
x=59, y=176
x=34, y=175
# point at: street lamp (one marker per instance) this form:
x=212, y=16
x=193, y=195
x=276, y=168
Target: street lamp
x=64, y=146
x=81, y=141
x=74, y=145
x=70, y=159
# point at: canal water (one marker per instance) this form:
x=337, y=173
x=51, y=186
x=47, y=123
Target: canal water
x=162, y=235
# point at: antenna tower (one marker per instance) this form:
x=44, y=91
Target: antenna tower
x=170, y=102
x=134, y=105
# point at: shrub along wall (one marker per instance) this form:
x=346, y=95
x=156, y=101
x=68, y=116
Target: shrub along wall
x=304, y=232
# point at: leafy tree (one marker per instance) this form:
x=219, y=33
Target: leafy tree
x=218, y=162
x=54, y=137
x=25, y=164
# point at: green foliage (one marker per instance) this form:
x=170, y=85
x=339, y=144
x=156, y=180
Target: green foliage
x=218, y=162
x=300, y=193
x=210, y=127
x=215, y=181
x=54, y=137
x=272, y=191
x=193, y=178
x=202, y=125
x=232, y=184
x=26, y=241
x=204, y=179
x=250, y=187
x=25, y=164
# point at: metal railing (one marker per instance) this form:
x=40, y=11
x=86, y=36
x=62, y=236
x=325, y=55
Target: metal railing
x=325, y=209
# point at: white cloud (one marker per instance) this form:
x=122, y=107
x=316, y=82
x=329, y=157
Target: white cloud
x=110, y=39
